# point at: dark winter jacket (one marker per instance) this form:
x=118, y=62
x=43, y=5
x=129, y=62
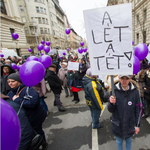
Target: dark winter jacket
x=71, y=76
x=82, y=71
x=34, y=110
x=126, y=111
x=27, y=133
x=5, y=88
x=147, y=85
x=54, y=82
x=93, y=92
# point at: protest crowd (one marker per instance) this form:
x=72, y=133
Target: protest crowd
x=30, y=104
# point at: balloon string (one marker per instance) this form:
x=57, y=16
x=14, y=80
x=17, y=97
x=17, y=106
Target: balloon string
x=20, y=108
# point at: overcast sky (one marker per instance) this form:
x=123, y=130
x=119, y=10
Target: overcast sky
x=74, y=11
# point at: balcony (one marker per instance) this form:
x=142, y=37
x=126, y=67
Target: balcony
x=31, y=24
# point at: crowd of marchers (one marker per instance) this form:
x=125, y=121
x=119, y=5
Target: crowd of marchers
x=130, y=102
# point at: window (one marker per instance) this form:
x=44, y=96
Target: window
x=23, y=19
x=42, y=1
x=43, y=20
x=41, y=10
x=41, y=30
x=144, y=37
x=44, y=11
x=26, y=30
x=48, y=30
x=137, y=19
x=145, y=14
x=21, y=8
x=45, y=30
x=12, y=31
x=2, y=7
x=46, y=21
x=39, y=20
x=37, y=9
x=137, y=38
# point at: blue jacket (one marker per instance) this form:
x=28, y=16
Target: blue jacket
x=93, y=92
x=126, y=111
x=34, y=110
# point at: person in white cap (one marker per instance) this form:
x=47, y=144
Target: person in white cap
x=125, y=109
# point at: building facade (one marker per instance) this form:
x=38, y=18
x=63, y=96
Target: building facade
x=35, y=20
x=35, y=15
x=10, y=23
x=140, y=19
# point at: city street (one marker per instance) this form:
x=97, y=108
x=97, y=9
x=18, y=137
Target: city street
x=72, y=130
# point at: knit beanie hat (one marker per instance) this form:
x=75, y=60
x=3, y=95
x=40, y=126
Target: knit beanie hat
x=15, y=76
x=89, y=73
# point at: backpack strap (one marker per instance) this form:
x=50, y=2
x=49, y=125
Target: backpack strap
x=20, y=91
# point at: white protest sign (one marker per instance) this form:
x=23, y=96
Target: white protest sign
x=109, y=36
x=60, y=52
x=73, y=66
x=52, y=52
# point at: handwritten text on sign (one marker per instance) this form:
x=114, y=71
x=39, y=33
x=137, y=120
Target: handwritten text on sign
x=109, y=35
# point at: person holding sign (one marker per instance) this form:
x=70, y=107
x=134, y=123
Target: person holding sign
x=125, y=109
x=94, y=96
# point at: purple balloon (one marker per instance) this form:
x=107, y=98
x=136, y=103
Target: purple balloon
x=10, y=127
x=141, y=51
x=67, y=30
x=30, y=58
x=46, y=49
x=84, y=49
x=15, y=36
x=43, y=42
x=48, y=43
x=29, y=49
x=45, y=60
x=42, y=54
x=82, y=43
x=19, y=66
x=136, y=65
x=61, y=57
x=40, y=47
x=1, y=55
x=64, y=53
x=31, y=73
x=14, y=66
x=67, y=49
x=80, y=50
x=132, y=42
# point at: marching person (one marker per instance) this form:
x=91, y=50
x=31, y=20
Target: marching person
x=55, y=85
x=62, y=74
x=6, y=70
x=28, y=98
x=125, y=109
x=93, y=95
x=146, y=88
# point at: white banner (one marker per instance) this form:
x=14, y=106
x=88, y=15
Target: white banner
x=109, y=36
x=73, y=66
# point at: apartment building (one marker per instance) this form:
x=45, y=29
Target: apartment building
x=35, y=15
x=140, y=19
x=10, y=23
